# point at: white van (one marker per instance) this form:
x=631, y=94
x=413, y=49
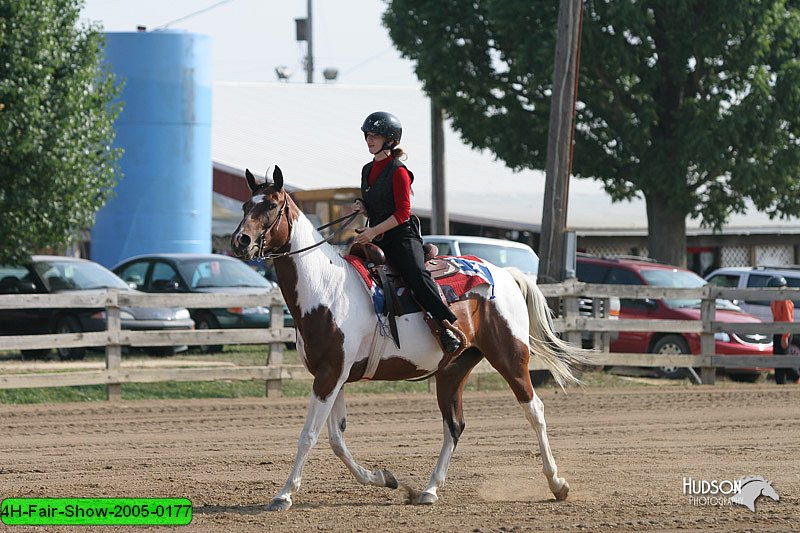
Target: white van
x=499, y=252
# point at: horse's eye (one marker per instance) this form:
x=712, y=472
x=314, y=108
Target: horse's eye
x=272, y=206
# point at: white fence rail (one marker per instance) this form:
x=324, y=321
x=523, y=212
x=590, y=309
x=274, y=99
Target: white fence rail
x=571, y=324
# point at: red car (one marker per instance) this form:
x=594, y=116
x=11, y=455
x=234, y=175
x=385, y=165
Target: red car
x=619, y=271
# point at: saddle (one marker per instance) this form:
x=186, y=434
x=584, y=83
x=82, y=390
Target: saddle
x=397, y=300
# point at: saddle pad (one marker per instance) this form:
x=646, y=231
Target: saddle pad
x=471, y=273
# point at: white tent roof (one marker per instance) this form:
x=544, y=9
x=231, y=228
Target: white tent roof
x=313, y=133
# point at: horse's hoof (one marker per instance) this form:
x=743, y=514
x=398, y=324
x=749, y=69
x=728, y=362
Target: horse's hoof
x=427, y=498
x=389, y=480
x=279, y=504
x=561, y=494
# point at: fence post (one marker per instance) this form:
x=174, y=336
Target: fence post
x=113, y=348
x=708, y=311
x=275, y=357
x=601, y=339
x=571, y=305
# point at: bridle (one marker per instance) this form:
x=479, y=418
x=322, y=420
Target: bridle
x=347, y=219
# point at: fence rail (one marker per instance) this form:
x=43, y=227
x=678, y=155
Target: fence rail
x=571, y=324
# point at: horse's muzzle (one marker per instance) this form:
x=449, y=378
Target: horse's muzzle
x=240, y=244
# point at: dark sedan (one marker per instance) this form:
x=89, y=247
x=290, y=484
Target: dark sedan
x=206, y=273
x=54, y=274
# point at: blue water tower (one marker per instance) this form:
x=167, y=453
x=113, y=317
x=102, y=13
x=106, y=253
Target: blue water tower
x=163, y=202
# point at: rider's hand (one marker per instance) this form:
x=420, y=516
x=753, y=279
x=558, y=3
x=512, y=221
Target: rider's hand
x=359, y=207
x=364, y=235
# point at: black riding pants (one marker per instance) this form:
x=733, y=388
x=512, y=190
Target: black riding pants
x=783, y=375
x=403, y=249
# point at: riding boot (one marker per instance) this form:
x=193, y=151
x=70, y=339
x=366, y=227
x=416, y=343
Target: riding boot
x=451, y=342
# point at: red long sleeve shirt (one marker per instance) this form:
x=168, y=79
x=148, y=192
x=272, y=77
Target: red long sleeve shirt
x=401, y=187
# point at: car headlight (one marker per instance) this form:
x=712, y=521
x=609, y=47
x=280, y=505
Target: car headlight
x=258, y=310
x=123, y=315
x=182, y=314
x=722, y=337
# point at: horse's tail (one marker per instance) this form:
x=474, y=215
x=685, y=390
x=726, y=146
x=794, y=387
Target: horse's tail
x=558, y=356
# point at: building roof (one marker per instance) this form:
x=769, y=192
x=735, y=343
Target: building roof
x=312, y=131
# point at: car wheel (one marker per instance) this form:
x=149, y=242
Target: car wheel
x=35, y=354
x=744, y=377
x=206, y=320
x=671, y=345
x=68, y=324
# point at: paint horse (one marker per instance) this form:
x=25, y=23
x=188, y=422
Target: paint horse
x=336, y=332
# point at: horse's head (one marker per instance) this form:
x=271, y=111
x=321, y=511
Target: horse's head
x=768, y=491
x=265, y=225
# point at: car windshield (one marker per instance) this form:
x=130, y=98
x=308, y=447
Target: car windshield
x=207, y=273
x=76, y=276
x=681, y=279
x=503, y=256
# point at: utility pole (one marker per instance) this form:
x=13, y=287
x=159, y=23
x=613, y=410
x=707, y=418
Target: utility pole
x=559, y=141
x=440, y=223
x=305, y=33
x=309, y=40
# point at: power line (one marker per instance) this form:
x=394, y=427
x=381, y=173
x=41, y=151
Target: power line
x=190, y=15
x=368, y=60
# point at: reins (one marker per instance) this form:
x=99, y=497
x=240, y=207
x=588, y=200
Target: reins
x=348, y=219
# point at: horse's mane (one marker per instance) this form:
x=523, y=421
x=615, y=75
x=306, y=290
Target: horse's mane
x=749, y=479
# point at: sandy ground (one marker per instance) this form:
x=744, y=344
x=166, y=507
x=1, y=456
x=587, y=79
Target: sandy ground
x=624, y=451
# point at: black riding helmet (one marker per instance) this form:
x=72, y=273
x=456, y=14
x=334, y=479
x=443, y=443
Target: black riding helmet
x=776, y=281
x=386, y=125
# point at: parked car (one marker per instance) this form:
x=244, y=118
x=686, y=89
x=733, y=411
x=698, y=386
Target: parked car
x=54, y=274
x=754, y=277
x=203, y=273
x=624, y=271
x=499, y=252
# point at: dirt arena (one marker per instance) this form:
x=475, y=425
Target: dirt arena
x=624, y=451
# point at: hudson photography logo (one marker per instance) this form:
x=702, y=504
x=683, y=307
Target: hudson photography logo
x=725, y=492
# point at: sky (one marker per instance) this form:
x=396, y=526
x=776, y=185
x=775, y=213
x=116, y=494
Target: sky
x=252, y=37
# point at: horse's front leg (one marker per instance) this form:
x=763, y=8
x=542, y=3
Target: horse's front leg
x=318, y=411
x=337, y=422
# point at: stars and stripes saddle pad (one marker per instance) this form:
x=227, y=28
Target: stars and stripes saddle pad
x=456, y=276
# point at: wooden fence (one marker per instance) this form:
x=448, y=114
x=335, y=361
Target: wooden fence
x=571, y=324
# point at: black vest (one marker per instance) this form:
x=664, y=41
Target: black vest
x=379, y=197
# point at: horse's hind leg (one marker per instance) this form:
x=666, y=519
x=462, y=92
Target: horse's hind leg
x=337, y=422
x=534, y=412
x=449, y=388
x=514, y=370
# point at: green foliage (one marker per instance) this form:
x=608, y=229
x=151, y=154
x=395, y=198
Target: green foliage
x=57, y=166
x=692, y=104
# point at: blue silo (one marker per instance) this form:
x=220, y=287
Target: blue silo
x=163, y=202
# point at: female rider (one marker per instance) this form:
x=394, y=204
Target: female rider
x=386, y=201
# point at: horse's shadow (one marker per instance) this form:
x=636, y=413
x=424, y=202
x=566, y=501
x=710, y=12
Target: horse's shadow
x=258, y=508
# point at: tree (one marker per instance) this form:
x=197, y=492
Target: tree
x=691, y=104
x=57, y=166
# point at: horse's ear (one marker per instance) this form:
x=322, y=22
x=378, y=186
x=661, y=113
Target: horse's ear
x=251, y=180
x=277, y=178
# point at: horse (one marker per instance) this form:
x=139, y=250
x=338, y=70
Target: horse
x=751, y=488
x=336, y=333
